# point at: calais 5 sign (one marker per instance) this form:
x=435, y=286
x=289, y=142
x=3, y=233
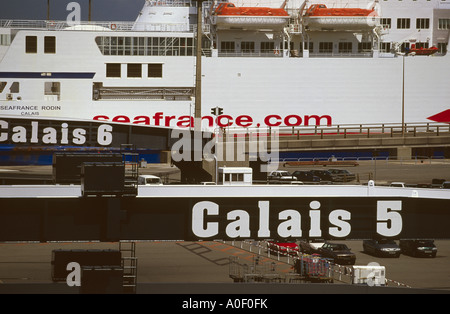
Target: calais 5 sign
x=209, y=220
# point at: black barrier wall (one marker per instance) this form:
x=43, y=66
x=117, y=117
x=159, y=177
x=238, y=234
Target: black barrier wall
x=184, y=218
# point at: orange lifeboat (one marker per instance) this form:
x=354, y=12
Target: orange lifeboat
x=322, y=10
x=320, y=17
x=422, y=51
x=227, y=15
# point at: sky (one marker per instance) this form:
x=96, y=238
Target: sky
x=102, y=10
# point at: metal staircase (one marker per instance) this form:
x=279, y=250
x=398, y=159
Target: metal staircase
x=131, y=162
x=129, y=266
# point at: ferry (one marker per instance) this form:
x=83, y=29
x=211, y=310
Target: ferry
x=293, y=63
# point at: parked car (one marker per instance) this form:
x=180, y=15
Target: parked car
x=381, y=247
x=342, y=175
x=446, y=185
x=418, y=247
x=305, y=176
x=311, y=246
x=149, y=180
x=397, y=184
x=281, y=176
x=284, y=248
x=338, y=252
x=324, y=175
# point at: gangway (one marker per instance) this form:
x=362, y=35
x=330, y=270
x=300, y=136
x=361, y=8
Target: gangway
x=129, y=265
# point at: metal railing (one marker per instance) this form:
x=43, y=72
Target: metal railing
x=249, y=54
x=341, y=273
x=348, y=130
x=99, y=26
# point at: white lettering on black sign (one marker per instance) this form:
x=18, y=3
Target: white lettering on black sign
x=206, y=222
x=63, y=135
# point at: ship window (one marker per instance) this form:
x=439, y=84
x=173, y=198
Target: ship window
x=15, y=88
x=385, y=47
x=285, y=45
x=248, y=46
x=5, y=39
x=113, y=70
x=421, y=45
x=2, y=86
x=325, y=47
x=50, y=44
x=422, y=23
x=134, y=70
x=31, y=44
x=53, y=89
x=154, y=70
x=145, y=46
x=308, y=46
x=345, y=47
x=267, y=47
x=227, y=46
x=385, y=23
x=404, y=47
x=442, y=48
x=364, y=47
x=444, y=24
x=403, y=23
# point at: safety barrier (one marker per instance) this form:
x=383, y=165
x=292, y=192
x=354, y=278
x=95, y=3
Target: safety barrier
x=310, y=267
x=435, y=129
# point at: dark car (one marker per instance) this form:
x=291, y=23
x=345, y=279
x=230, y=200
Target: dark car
x=338, y=252
x=418, y=247
x=381, y=247
x=305, y=176
x=342, y=175
x=324, y=175
x=311, y=246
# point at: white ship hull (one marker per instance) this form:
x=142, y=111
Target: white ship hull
x=252, y=86
x=260, y=92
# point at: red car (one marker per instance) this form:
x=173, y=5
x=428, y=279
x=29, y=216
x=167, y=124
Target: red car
x=284, y=248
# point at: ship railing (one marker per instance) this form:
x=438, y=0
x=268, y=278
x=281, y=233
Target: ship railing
x=433, y=129
x=363, y=54
x=99, y=26
x=270, y=54
x=171, y=3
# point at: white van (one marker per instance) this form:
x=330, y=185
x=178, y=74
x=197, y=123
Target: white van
x=371, y=275
x=149, y=179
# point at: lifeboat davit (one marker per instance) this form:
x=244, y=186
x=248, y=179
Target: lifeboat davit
x=422, y=51
x=319, y=17
x=227, y=16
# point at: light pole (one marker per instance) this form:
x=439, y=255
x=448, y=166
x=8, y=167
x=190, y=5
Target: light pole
x=198, y=70
x=403, y=95
x=90, y=7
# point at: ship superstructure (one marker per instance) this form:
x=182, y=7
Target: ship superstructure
x=291, y=63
